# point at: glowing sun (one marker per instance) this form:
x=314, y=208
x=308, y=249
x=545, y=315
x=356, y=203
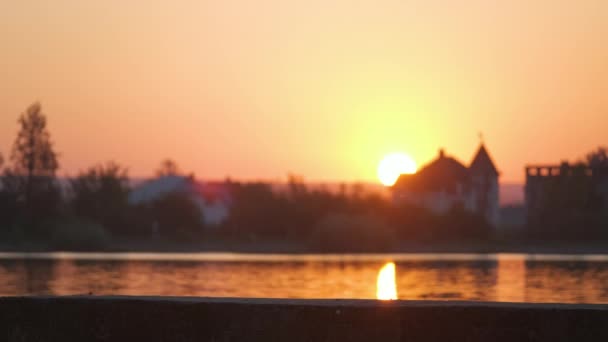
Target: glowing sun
x=393, y=165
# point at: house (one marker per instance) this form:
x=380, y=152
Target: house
x=446, y=183
x=212, y=198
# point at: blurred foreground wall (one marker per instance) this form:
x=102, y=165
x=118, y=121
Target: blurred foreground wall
x=204, y=319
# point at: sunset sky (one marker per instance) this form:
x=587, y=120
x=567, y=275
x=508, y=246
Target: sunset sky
x=321, y=88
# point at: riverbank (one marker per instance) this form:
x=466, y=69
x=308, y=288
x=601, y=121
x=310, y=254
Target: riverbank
x=286, y=247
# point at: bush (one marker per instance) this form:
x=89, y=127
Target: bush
x=258, y=212
x=100, y=194
x=177, y=216
x=458, y=224
x=352, y=233
x=79, y=235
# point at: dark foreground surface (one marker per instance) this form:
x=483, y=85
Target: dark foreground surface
x=217, y=319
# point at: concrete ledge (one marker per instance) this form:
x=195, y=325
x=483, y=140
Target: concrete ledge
x=146, y=319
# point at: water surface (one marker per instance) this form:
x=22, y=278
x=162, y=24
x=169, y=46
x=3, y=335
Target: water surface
x=487, y=277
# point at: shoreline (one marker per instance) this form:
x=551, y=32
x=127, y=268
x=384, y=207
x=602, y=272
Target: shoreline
x=221, y=257
x=286, y=248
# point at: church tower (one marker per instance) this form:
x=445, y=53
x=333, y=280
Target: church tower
x=484, y=179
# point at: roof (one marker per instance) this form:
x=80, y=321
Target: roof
x=482, y=162
x=442, y=174
x=159, y=187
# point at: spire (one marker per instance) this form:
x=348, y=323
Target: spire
x=482, y=162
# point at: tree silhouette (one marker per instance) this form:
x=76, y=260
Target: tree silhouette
x=8, y=203
x=11, y=208
x=168, y=167
x=33, y=157
x=100, y=193
x=598, y=157
x=177, y=216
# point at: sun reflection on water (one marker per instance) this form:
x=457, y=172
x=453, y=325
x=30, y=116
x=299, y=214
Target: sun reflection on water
x=386, y=288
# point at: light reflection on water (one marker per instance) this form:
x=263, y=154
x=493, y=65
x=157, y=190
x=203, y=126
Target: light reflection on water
x=386, y=286
x=513, y=278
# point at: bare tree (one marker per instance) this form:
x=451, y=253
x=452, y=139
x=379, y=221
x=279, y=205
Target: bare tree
x=168, y=167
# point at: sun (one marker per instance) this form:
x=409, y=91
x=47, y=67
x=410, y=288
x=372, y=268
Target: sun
x=393, y=165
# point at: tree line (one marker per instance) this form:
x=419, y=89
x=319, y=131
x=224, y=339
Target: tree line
x=90, y=209
x=83, y=211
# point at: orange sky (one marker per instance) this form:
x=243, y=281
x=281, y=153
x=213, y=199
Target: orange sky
x=322, y=88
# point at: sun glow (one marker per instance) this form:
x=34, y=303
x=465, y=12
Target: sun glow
x=393, y=165
x=386, y=288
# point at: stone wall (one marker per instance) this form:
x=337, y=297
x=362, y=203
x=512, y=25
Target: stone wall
x=207, y=319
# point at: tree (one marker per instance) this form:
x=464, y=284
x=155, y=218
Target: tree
x=177, y=216
x=168, y=167
x=33, y=156
x=296, y=186
x=8, y=196
x=598, y=157
x=257, y=212
x=100, y=194
x=30, y=180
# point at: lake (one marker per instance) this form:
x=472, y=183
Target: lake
x=483, y=277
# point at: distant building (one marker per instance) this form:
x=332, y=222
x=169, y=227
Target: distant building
x=213, y=199
x=446, y=183
x=565, y=194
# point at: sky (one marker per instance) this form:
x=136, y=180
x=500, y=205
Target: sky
x=320, y=88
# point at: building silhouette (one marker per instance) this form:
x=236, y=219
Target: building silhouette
x=446, y=183
x=565, y=196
